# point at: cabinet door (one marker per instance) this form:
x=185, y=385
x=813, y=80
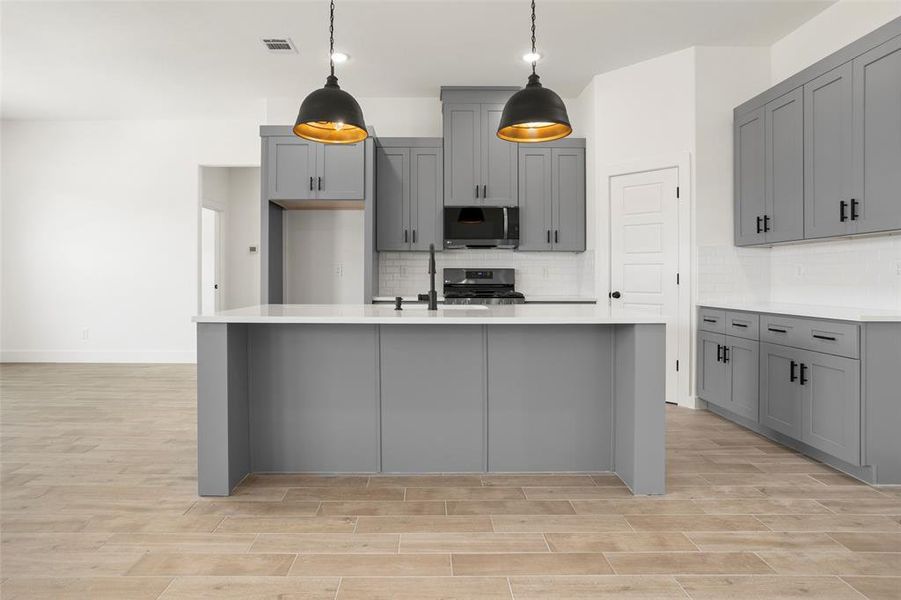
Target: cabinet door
x=877, y=137
x=831, y=404
x=780, y=392
x=750, y=178
x=499, y=161
x=535, y=198
x=744, y=366
x=462, y=154
x=392, y=197
x=785, y=168
x=828, y=167
x=425, y=198
x=568, y=199
x=339, y=171
x=712, y=384
x=291, y=168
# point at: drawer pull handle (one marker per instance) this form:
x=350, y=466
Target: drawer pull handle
x=719, y=353
x=734, y=324
x=709, y=320
x=777, y=330
x=791, y=374
x=725, y=354
x=824, y=337
x=803, y=373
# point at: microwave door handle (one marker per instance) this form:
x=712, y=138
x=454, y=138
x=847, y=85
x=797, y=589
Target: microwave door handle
x=506, y=225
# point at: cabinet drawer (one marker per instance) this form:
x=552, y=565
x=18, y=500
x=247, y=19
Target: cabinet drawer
x=829, y=337
x=743, y=325
x=712, y=320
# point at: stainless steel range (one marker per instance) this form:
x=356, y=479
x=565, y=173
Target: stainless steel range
x=481, y=286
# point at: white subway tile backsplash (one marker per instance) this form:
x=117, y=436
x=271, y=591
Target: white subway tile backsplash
x=537, y=273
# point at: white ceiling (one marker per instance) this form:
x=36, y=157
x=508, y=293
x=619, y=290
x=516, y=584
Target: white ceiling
x=86, y=60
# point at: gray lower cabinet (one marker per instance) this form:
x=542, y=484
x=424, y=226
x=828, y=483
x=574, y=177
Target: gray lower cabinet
x=728, y=372
x=818, y=155
x=713, y=384
x=298, y=169
x=481, y=168
x=877, y=138
x=408, y=197
x=780, y=391
x=831, y=405
x=552, y=198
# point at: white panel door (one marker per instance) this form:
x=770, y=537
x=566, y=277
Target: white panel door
x=644, y=251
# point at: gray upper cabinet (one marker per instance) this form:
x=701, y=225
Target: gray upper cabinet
x=780, y=389
x=828, y=162
x=750, y=178
x=499, y=161
x=783, y=219
x=535, y=198
x=298, y=169
x=818, y=155
x=392, y=196
x=408, y=195
x=339, y=171
x=462, y=153
x=552, y=197
x=877, y=138
x=291, y=168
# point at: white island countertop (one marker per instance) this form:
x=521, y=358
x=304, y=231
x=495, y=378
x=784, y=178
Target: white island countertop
x=839, y=313
x=512, y=314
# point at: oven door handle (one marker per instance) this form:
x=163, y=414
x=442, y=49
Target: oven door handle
x=506, y=225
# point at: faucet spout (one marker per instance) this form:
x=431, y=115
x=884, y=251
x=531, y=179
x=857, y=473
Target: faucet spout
x=433, y=295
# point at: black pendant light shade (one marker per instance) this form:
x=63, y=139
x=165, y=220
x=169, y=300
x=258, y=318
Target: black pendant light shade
x=330, y=115
x=534, y=113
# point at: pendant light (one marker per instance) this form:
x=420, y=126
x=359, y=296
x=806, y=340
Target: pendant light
x=330, y=115
x=534, y=113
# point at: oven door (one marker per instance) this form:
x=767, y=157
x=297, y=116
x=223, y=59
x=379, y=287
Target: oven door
x=481, y=227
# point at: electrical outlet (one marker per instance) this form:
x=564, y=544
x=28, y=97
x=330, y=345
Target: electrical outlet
x=85, y=333
x=546, y=272
x=339, y=270
x=898, y=268
x=799, y=270
x=403, y=271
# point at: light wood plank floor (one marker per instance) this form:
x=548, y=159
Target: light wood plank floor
x=99, y=501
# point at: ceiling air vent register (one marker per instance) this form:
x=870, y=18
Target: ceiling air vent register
x=279, y=45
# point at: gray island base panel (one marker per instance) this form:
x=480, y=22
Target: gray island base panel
x=430, y=398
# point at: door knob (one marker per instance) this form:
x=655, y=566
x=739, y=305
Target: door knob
x=615, y=295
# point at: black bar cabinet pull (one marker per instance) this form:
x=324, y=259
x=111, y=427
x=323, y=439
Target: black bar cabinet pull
x=320, y=182
x=556, y=236
x=791, y=374
x=405, y=236
x=734, y=324
x=803, y=373
x=725, y=354
x=766, y=223
x=719, y=353
x=706, y=320
x=311, y=183
x=548, y=236
x=477, y=190
x=824, y=337
x=484, y=191
x=854, y=205
x=414, y=236
x=774, y=330
x=842, y=208
x=759, y=219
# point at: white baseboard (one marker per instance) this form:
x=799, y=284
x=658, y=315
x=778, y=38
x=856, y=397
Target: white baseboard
x=97, y=356
x=694, y=403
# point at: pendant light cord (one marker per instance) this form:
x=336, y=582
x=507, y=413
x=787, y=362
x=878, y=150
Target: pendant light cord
x=533, y=36
x=331, y=36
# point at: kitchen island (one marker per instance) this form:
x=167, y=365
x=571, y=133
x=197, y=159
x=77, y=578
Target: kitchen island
x=366, y=388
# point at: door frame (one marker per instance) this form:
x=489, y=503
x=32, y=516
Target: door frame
x=685, y=319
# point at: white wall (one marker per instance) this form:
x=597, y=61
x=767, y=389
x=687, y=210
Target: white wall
x=100, y=232
x=832, y=29
x=323, y=256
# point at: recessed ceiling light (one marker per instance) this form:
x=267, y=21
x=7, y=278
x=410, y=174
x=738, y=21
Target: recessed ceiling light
x=339, y=57
x=531, y=57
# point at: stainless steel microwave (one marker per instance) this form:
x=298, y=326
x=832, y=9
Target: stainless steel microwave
x=481, y=226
